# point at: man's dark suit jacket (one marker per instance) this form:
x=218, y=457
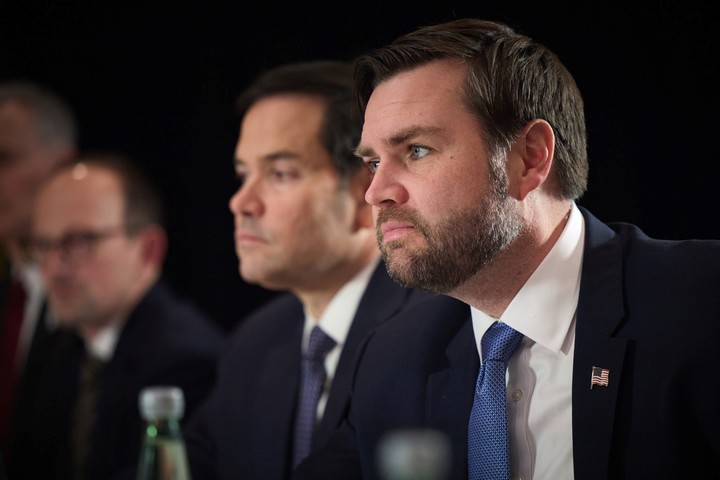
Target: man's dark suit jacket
x=244, y=430
x=165, y=341
x=649, y=311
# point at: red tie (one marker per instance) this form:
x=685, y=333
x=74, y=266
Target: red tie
x=9, y=336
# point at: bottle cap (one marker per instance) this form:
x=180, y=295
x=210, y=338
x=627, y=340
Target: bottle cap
x=418, y=454
x=160, y=402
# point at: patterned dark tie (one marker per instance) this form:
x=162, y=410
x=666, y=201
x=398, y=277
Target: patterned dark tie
x=85, y=413
x=312, y=378
x=488, y=438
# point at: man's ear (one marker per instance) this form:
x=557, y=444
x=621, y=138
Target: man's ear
x=359, y=183
x=531, y=157
x=153, y=241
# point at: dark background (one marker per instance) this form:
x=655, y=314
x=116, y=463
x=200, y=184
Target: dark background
x=156, y=80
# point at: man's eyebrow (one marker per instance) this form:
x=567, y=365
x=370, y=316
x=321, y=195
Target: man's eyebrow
x=271, y=157
x=398, y=139
x=363, y=151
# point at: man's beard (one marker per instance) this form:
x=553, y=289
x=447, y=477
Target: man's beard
x=458, y=247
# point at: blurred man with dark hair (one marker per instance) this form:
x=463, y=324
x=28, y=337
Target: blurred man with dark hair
x=301, y=225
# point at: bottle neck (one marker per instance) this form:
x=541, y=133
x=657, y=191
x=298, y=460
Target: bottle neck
x=165, y=428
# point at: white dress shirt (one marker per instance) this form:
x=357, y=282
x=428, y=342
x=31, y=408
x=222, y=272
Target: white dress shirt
x=540, y=372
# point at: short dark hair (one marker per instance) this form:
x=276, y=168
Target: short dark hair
x=143, y=202
x=329, y=80
x=54, y=119
x=511, y=80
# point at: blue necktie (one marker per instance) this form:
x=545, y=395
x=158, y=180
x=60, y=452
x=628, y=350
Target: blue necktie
x=488, y=440
x=312, y=378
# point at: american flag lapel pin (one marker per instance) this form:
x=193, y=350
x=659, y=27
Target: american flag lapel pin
x=600, y=377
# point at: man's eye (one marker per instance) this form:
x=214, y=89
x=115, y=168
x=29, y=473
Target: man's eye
x=417, y=151
x=240, y=177
x=373, y=165
x=41, y=245
x=78, y=240
x=283, y=175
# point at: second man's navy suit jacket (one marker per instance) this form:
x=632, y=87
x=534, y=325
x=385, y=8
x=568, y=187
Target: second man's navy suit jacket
x=244, y=430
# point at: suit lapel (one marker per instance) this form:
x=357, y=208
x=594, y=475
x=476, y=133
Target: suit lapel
x=370, y=314
x=450, y=388
x=600, y=311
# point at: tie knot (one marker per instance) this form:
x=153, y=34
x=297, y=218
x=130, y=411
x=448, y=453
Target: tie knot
x=91, y=368
x=499, y=342
x=320, y=344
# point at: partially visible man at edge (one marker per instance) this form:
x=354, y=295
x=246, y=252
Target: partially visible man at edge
x=38, y=133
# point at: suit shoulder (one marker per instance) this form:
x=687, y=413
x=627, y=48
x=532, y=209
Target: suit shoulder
x=178, y=322
x=278, y=315
x=699, y=258
x=432, y=316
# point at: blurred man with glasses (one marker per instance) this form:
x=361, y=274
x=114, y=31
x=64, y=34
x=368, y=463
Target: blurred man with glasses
x=98, y=238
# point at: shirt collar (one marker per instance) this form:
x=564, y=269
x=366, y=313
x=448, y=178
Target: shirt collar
x=102, y=345
x=545, y=306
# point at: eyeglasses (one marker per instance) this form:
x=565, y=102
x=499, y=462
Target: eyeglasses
x=73, y=247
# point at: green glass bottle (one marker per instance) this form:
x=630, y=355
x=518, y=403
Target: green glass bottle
x=162, y=454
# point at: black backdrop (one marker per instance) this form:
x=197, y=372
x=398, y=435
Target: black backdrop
x=156, y=80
